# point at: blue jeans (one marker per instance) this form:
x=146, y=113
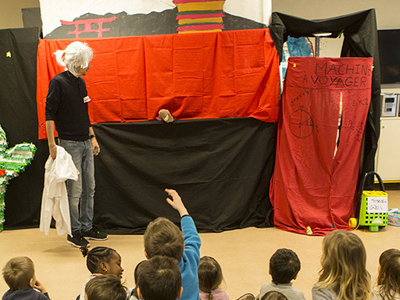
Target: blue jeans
x=81, y=192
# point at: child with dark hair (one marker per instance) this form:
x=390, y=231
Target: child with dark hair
x=19, y=274
x=388, y=276
x=101, y=261
x=274, y=295
x=162, y=237
x=284, y=265
x=210, y=279
x=106, y=287
x=133, y=295
x=159, y=279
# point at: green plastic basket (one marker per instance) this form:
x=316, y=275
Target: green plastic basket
x=374, y=206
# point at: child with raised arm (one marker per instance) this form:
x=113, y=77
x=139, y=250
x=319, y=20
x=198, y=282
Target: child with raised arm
x=284, y=265
x=388, y=276
x=19, y=274
x=162, y=237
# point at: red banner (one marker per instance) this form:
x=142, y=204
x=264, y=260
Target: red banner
x=317, y=165
x=195, y=76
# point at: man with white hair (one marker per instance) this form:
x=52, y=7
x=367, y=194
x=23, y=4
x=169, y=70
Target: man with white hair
x=67, y=111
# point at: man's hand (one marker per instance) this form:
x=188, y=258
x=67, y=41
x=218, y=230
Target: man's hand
x=53, y=151
x=176, y=202
x=93, y=140
x=50, y=138
x=95, y=146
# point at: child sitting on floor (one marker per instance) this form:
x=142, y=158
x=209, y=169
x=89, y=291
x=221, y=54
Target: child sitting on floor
x=101, y=261
x=106, y=287
x=133, y=295
x=210, y=279
x=343, y=275
x=284, y=265
x=388, y=276
x=19, y=274
x=159, y=279
x=162, y=237
x=274, y=295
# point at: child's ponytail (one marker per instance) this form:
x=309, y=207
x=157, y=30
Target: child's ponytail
x=59, y=55
x=210, y=275
x=84, y=251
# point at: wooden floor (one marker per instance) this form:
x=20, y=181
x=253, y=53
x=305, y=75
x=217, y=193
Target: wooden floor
x=243, y=255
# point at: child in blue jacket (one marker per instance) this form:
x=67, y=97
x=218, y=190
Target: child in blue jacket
x=162, y=237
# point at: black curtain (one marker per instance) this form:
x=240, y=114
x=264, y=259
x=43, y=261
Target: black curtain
x=360, y=40
x=220, y=167
x=18, y=117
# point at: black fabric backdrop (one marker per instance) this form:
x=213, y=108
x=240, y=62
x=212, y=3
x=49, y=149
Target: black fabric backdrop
x=220, y=167
x=360, y=40
x=18, y=118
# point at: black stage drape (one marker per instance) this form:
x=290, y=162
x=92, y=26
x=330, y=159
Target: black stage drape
x=220, y=167
x=360, y=40
x=18, y=117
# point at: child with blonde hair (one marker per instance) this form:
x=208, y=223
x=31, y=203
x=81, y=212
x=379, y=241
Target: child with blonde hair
x=19, y=274
x=388, y=276
x=210, y=279
x=343, y=275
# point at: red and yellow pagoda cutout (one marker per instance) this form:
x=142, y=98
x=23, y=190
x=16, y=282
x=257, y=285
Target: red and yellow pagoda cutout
x=199, y=15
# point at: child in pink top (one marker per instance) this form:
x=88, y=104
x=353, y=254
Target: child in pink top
x=210, y=278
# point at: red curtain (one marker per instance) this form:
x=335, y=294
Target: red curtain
x=195, y=76
x=314, y=182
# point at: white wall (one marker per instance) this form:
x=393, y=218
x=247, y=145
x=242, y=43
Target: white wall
x=387, y=12
x=387, y=15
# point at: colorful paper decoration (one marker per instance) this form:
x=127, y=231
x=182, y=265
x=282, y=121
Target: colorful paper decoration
x=12, y=162
x=199, y=15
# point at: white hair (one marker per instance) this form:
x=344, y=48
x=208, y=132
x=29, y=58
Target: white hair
x=77, y=54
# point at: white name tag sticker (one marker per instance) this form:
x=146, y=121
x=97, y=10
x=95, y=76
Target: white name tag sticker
x=377, y=205
x=86, y=99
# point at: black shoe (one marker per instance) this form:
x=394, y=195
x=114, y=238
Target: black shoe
x=77, y=240
x=94, y=234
